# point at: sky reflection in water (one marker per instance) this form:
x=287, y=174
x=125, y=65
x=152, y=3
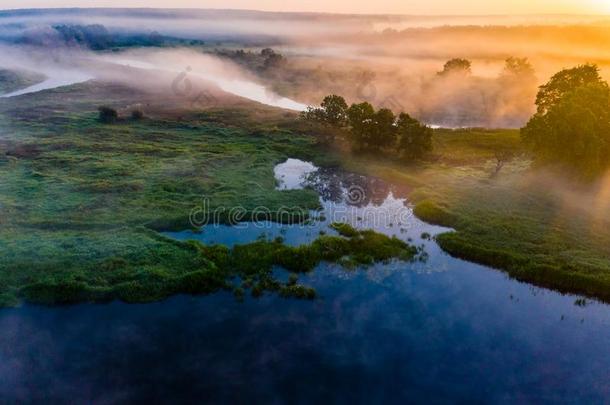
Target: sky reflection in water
x=442, y=331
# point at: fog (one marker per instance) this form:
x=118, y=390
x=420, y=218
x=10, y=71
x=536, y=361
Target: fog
x=390, y=61
x=201, y=23
x=188, y=64
x=177, y=72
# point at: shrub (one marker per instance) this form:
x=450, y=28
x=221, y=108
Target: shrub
x=293, y=279
x=137, y=115
x=107, y=115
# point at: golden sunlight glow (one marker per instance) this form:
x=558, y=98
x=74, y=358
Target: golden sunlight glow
x=602, y=6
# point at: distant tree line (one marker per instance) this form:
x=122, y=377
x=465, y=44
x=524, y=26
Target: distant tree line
x=266, y=61
x=94, y=37
x=373, y=130
x=97, y=37
x=453, y=95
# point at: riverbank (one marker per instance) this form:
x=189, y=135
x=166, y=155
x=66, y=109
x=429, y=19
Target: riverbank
x=81, y=202
x=77, y=196
x=14, y=80
x=533, y=224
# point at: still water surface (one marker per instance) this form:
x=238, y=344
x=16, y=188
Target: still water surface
x=440, y=331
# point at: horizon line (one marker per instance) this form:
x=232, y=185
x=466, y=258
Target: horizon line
x=306, y=12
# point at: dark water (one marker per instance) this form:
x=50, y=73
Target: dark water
x=440, y=331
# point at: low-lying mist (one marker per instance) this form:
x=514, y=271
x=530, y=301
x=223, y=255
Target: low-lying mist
x=389, y=61
x=188, y=65
x=200, y=79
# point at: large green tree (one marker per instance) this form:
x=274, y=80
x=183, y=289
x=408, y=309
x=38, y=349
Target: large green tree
x=384, y=130
x=362, y=122
x=414, y=138
x=566, y=81
x=572, y=125
x=332, y=112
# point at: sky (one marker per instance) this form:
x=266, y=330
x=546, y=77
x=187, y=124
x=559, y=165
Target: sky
x=419, y=7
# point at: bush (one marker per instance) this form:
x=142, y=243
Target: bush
x=107, y=115
x=137, y=115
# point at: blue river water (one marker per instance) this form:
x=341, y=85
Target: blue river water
x=439, y=331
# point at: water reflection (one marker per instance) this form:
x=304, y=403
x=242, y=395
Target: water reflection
x=334, y=185
x=443, y=331
x=377, y=336
x=349, y=188
x=293, y=174
x=361, y=201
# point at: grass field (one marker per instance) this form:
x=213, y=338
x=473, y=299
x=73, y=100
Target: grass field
x=12, y=80
x=81, y=201
x=536, y=225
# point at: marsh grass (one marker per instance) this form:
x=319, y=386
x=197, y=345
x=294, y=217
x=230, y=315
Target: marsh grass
x=81, y=202
x=344, y=229
x=139, y=265
x=255, y=262
x=537, y=226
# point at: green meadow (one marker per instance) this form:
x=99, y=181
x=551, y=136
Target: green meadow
x=534, y=224
x=82, y=202
x=13, y=80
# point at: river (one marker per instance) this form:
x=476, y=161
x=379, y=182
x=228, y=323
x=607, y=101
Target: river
x=54, y=79
x=233, y=85
x=443, y=330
